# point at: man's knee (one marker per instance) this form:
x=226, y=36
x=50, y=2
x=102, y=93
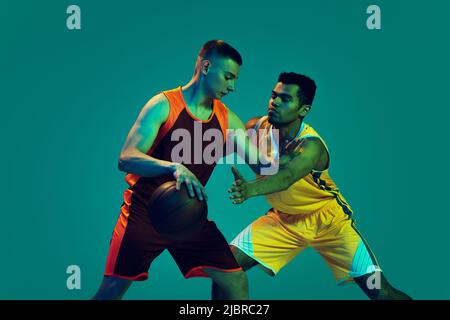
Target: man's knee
x=237, y=279
x=225, y=279
x=377, y=287
x=382, y=293
x=229, y=285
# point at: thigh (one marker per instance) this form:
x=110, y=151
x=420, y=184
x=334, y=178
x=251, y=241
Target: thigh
x=134, y=245
x=244, y=260
x=271, y=241
x=224, y=278
x=346, y=252
x=247, y=262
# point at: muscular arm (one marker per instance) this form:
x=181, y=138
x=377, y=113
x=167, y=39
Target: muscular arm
x=251, y=124
x=133, y=157
x=302, y=161
x=245, y=148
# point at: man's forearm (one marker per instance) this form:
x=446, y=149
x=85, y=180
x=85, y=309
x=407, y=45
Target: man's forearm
x=277, y=182
x=144, y=165
x=257, y=168
x=270, y=184
x=266, y=166
x=258, y=161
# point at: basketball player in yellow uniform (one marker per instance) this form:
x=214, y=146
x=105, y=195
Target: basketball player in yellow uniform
x=308, y=209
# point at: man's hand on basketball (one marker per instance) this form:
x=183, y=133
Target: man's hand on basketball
x=193, y=186
x=241, y=189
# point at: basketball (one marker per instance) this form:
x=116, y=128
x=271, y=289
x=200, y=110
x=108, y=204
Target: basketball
x=174, y=214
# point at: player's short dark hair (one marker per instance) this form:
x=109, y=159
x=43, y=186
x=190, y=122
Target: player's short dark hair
x=307, y=86
x=220, y=48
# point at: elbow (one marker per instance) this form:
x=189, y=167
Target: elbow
x=127, y=159
x=288, y=180
x=122, y=163
x=286, y=185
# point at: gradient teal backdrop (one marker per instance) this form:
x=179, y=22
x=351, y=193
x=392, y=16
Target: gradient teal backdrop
x=68, y=99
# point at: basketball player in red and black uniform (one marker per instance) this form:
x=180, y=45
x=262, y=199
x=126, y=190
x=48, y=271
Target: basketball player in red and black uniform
x=147, y=159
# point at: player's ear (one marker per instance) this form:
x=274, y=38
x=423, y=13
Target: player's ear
x=304, y=110
x=205, y=65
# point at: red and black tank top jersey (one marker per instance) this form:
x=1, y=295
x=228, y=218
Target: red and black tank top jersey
x=180, y=118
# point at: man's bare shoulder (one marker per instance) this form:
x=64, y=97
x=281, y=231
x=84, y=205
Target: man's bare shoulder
x=252, y=122
x=158, y=103
x=155, y=111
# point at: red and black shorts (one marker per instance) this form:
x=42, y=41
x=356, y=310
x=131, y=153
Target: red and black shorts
x=135, y=244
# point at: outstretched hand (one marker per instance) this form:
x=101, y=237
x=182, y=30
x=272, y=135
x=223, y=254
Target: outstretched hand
x=240, y=190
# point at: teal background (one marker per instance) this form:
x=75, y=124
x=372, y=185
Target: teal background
x=68, y=99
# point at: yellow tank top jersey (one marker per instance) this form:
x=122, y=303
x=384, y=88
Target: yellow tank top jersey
x=309, y=194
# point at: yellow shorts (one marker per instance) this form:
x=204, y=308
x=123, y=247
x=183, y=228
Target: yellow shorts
x=276, y=238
